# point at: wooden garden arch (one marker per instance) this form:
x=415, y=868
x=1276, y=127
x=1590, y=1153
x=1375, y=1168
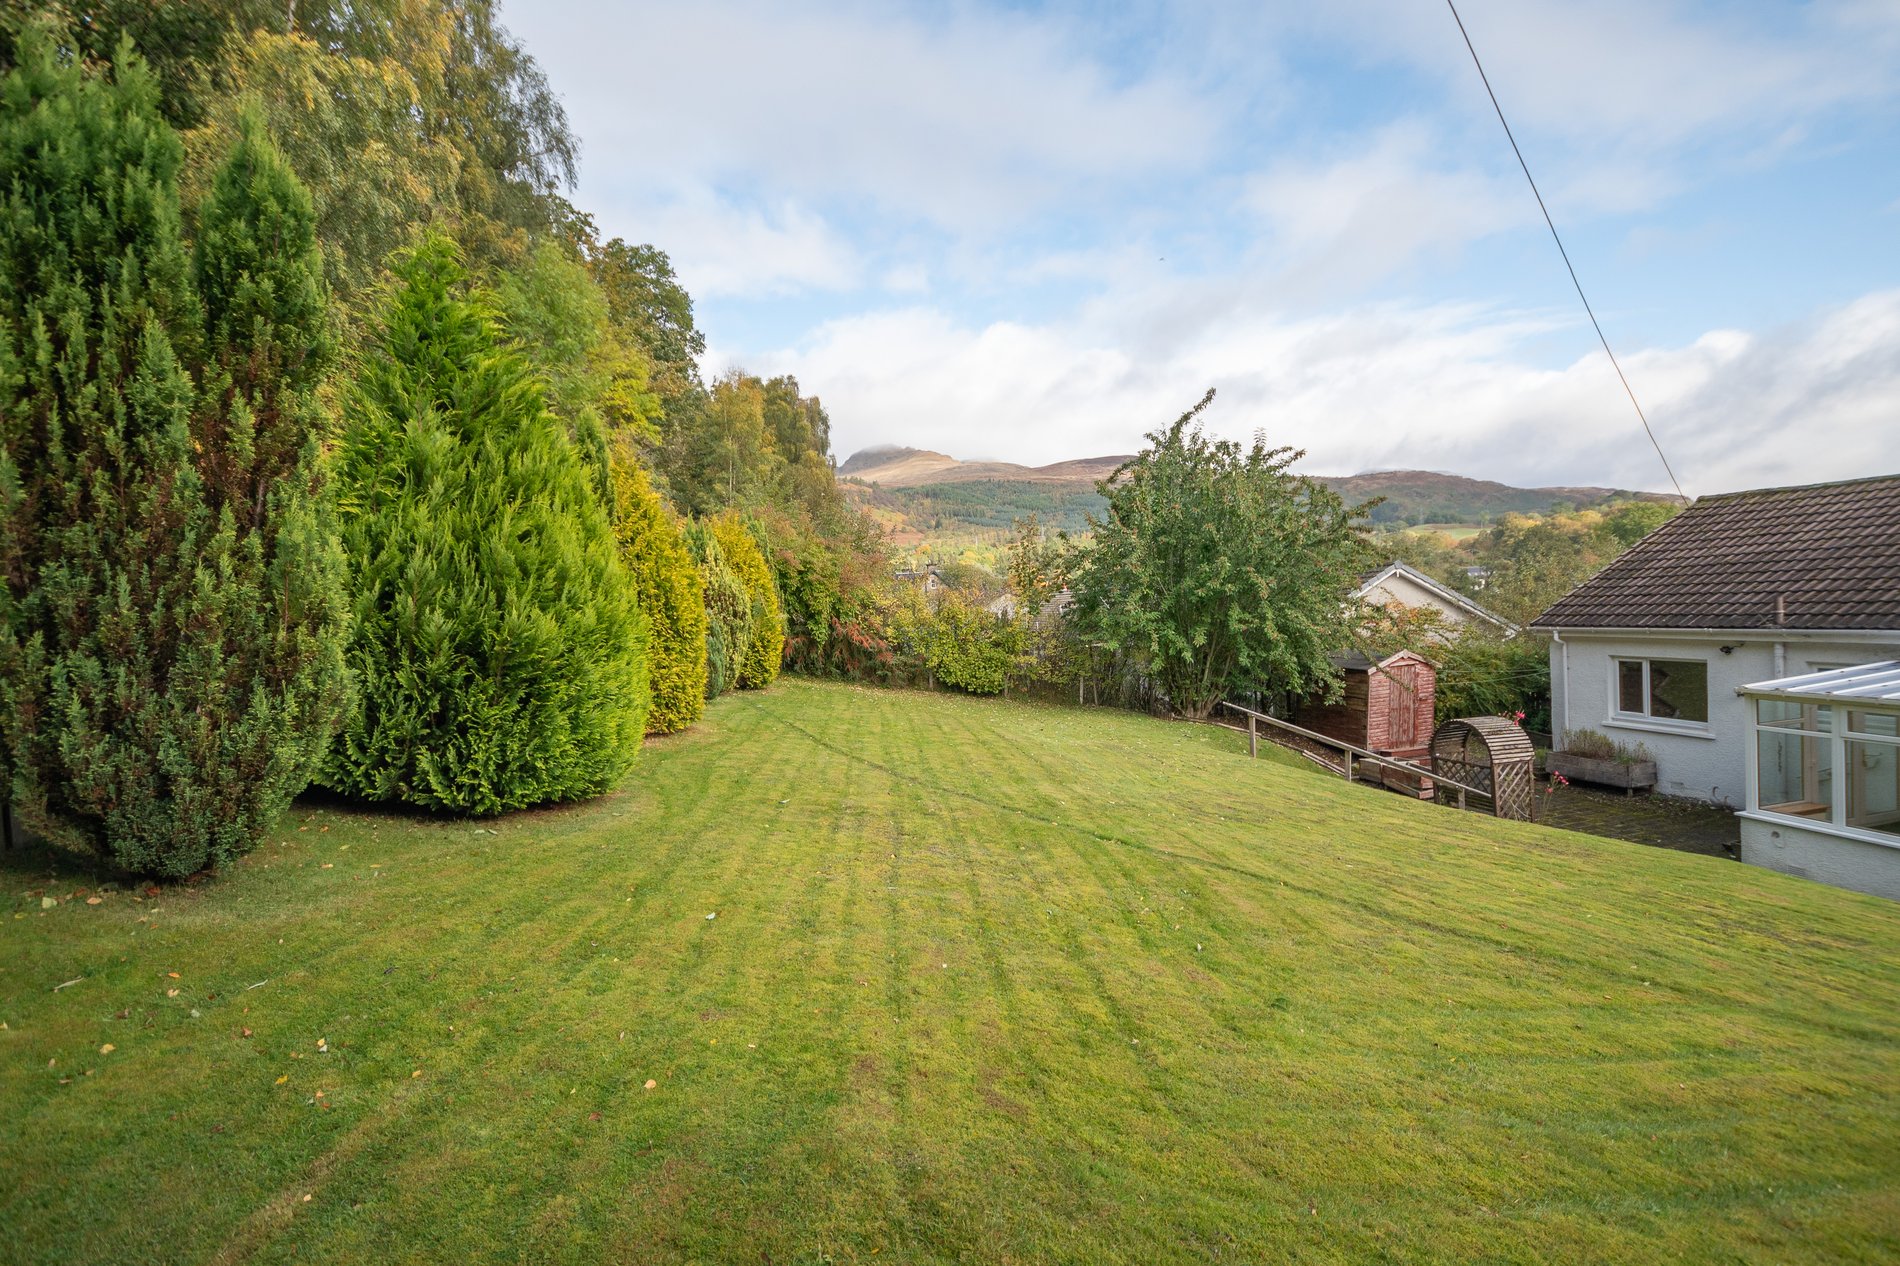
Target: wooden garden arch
x=1492, y=754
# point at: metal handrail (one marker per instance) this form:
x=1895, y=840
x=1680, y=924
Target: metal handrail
x=1253, y=745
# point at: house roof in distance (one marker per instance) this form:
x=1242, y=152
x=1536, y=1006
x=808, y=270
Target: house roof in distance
x=1450, y=597
x=1824, y=556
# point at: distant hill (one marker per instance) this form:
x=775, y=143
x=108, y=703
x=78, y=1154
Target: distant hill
x=1424, y=496
x=923, y=496
x=893, y=467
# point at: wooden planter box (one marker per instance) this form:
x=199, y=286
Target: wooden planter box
x=1628, y=775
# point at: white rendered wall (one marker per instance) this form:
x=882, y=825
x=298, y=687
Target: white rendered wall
x=1702, y=762
x=1826, y=858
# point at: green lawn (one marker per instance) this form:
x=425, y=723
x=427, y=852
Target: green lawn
x=988, y=982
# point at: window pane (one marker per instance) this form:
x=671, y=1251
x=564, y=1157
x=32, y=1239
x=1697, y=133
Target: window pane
x=1884, y=724
x=1629, y=685
x=1873, y=786
x=1679, y=689
x=1786, y=715
x=1795, y=774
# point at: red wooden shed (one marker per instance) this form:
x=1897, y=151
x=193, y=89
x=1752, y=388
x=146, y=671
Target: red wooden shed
x=1386, y=707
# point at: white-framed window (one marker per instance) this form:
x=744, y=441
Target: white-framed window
x=1662, y=689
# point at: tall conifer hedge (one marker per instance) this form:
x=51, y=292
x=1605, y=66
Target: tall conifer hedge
x=670, y=595
x=498, y=644
x=728, y=610
x=171, y=613
x=765, y=649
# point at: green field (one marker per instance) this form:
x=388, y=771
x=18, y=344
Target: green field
x=987, y=982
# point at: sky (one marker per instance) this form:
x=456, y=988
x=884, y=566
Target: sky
x=1035, y=232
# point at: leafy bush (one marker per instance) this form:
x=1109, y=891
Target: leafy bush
x=1218, y=569
x=498, y=642
x=765, y=648
x=171, y=613
x=671, y=597
x=1483, y=674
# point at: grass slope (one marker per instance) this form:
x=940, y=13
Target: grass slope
x=988, y=982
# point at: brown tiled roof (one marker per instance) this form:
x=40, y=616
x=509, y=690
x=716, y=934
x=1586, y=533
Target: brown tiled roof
x=1822, y=557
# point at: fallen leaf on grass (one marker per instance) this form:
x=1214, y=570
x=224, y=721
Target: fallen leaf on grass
x=107, y=1049
x=172, y=974
x=247, y=1033
x=93, y=901
x=416, y=1074
x=47, y=903
x=281, y=1080
x=652, y=1084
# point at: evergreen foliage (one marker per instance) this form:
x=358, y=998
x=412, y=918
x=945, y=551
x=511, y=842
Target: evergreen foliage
x=499, y=646
x=1217, y=569
x=728, y=610
x=170, y=621
x=765, y=648
x=671, y=595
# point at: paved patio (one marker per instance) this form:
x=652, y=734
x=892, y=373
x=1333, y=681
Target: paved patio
x=1688, y=826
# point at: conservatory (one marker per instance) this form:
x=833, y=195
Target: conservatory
x=1824, y=784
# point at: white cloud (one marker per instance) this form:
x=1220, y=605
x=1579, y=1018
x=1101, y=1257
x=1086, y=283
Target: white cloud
x=1357, y=217
x=1638, y=75
x=1443, y=387
x=969, y=116
x=719, y=248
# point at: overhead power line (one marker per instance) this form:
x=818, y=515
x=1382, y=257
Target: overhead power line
x=1641, y=416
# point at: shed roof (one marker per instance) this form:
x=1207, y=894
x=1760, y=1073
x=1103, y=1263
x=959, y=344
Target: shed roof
x=1867, y=683
x=1825, y=556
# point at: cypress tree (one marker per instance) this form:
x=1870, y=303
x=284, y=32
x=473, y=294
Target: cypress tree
x=169, y=669
x=670, y=594
x=728, y=610
x=499, y=650
x=764, y=652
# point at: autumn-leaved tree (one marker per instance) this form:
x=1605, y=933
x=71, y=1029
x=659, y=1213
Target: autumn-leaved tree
x=170, y=621
x=765, y=649
x=1217, y=569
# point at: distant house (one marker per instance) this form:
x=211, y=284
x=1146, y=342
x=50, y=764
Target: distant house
x=927, y=576
x=1004, y=608
x=1401, y=584
x=1748, y=587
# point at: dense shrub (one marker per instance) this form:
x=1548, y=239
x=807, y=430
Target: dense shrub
x=765, y=648
x=171, y=611
x=1481, y=674
x=671, y=597
x=499, y=647
x=728, y=610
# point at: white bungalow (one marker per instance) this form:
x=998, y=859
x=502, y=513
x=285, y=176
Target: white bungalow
x=1660, y=647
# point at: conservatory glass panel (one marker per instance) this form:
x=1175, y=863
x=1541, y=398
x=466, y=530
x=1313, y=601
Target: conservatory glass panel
x=1784, y=714
x=1873, y=786
x=1879, y=724
x=1795, y=774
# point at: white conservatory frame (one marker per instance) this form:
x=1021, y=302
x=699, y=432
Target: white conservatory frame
x=1847, y=714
